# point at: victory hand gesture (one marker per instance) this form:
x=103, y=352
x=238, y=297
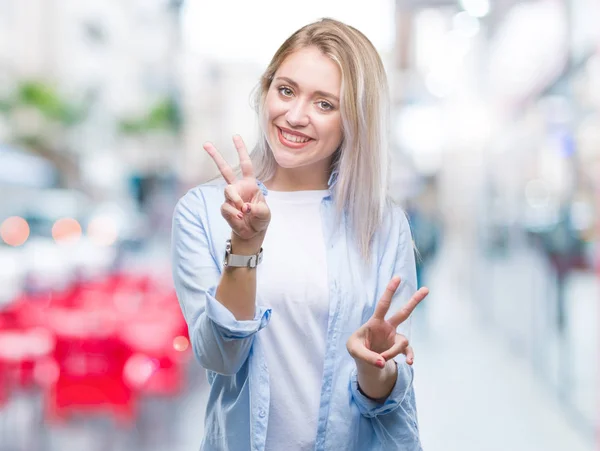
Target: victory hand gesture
x=376, y=341
x=244, y=209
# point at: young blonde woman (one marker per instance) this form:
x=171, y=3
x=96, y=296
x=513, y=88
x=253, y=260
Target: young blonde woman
x=297, y=276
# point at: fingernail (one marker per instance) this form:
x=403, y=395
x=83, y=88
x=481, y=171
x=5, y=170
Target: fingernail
x=380, y=363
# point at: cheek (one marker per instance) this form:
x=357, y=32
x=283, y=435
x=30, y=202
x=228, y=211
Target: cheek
x=273, y=107
x=334, y=130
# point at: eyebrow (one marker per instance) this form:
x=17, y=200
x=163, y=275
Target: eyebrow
x=295, y=85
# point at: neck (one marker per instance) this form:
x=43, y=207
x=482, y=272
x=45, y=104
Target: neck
x=298, y=179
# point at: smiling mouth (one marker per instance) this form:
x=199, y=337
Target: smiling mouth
x=293, y=137
x=293, y=141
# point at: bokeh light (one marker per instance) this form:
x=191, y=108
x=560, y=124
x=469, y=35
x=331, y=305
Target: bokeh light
x=138, y=369
x=14, y=231
x=181, y=343
x=102, y=231
x=476, y=8
x=66, y=230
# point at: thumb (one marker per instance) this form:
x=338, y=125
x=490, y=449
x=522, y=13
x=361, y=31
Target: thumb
x=359, y=351
x=259, y=211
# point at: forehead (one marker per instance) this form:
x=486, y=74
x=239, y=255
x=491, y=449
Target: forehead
x=312, y=70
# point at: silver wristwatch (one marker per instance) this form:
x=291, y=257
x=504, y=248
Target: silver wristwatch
x=241, y=261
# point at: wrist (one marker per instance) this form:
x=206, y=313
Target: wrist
x=376, y=383
x=371, y=371
x=249, y=246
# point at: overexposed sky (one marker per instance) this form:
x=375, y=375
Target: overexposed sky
x=253, y=29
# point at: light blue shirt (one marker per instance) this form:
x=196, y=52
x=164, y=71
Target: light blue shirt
x=238, y=403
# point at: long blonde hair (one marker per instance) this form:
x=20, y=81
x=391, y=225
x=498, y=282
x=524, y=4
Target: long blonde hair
x=361, y=163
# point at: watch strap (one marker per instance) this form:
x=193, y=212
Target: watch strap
x=241, y=261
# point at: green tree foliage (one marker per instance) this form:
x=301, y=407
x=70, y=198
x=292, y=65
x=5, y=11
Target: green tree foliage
x=163, y=116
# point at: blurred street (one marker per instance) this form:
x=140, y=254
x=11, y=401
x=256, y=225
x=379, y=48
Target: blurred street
x=474, y=390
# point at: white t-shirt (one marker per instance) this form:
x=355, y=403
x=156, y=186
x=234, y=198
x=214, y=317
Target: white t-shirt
x=292, y=280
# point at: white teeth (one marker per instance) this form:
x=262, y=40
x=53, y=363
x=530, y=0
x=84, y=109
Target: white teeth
x=294, y=138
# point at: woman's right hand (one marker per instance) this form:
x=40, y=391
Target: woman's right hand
x=245, y=208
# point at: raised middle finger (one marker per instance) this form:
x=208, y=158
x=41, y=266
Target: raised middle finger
x=245, y=162
x=224, y=168
x=386, y=299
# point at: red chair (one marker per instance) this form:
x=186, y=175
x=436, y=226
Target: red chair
x=157, y=366
x=91, y=359
x=20, y=352
x=3, y=385
x=114, y=338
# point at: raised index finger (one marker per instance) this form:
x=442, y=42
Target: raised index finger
x=224, y=168
x=245, y=162
x=401, y=315
x=386, y=299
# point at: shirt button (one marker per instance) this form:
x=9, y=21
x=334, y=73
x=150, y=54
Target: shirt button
x=262, y=413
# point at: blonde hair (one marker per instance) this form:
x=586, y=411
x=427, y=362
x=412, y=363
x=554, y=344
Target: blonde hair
x=361, y=163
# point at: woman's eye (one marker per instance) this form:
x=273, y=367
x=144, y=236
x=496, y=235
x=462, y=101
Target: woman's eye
x=285, y=91
x=325, y=105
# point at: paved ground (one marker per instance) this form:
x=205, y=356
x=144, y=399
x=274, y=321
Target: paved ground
x=473, y=391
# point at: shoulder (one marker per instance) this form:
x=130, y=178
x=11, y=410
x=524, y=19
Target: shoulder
x=394, y=234
x=197, y=214
x=395, y=220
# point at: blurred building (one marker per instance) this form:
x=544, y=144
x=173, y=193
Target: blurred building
x=217, y=103
x=499, y=102
x=114, y=61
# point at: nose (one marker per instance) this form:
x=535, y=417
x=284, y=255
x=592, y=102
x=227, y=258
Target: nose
x=296, y=115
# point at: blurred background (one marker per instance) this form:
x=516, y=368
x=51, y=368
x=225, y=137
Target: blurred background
x=104, y=106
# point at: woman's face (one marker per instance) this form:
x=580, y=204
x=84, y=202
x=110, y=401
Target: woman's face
x=304, y=125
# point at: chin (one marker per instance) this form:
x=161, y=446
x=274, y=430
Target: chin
x=286, y=161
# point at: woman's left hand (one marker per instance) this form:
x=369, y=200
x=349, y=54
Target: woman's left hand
x=376, y=341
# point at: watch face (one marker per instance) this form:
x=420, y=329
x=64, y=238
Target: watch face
x=227, y=252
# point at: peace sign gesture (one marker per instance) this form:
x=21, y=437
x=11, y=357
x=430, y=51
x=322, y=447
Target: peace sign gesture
x=376, y=341
x=245, y=208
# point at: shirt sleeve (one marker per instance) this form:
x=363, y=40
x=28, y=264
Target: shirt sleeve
x=371, y=408
x=399, y=259
x=220, y=342
x=394, y=421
